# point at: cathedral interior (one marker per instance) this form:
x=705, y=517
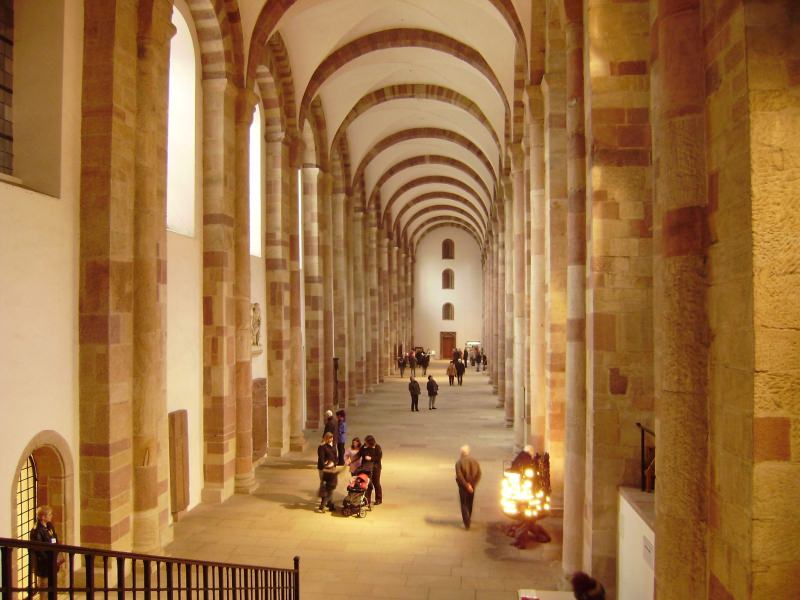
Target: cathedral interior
x=222, y=218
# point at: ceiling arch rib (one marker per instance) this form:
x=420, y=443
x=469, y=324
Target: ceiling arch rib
x=429, y=228
x=417, y=201
x=273, y=11
x=418, y=91
x=443, y=211
x=422, y=133
x=432, y=179
x=428, y=160
x=400, y=38
x=443, y=220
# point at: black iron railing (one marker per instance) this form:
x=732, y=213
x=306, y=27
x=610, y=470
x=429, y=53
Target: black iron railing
x=79, y=572
x=648, y=464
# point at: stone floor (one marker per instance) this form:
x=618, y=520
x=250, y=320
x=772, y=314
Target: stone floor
x=413, y=545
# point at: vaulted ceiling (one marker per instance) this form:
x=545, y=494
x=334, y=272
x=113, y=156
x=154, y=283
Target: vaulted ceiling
x=420, y=98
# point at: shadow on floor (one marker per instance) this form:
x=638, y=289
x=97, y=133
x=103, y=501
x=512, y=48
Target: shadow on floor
x=445, y=522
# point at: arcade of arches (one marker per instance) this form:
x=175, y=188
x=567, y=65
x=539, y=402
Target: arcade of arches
x=626, y=174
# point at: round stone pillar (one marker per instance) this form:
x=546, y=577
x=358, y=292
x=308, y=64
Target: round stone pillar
x=312, y=275
x=520, y=341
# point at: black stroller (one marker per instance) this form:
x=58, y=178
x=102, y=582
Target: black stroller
x=356, y=501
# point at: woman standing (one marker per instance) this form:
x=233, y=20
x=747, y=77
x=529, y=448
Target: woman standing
x=352, y=456
x=45, y=533
x=328, y=477
x=371, y=457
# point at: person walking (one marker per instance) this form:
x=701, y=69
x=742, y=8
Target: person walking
x=413, y=389
x=484, y=360
x=371, y=456
x=451, y=372
x=468, y=474
x=331, y=426
x=412, y=364
x=433, y=390
x=401, y=364
x=328, y=477
x=341, y=435
x=460, y=368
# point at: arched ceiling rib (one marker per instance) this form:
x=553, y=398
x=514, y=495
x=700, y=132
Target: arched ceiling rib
x=442, y=221
x=428, y=228
x=416, y=102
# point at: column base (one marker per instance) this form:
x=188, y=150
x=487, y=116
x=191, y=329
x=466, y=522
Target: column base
x=216, y=494
x=297, y=443
x=276, y=452
x=245, y=484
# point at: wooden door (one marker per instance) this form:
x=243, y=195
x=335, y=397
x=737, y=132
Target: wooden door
x=447, y=343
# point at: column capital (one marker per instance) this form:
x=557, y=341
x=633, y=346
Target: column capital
x=517, y=153
x=246, y=101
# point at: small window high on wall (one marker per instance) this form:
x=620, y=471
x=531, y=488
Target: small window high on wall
x=181, y=127
x=448, y=313
x=448, y=279
x=448, y=249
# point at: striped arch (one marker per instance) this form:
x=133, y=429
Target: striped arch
x=454, y=211
x=442, y=221
x=271, y=103
x=276, y=67
x=419, y=91
x=219, y=31
x=401, y=38
x=467, y=213
x=430, y=179
x=428, y=159
x=273, y=10
x=424, y=132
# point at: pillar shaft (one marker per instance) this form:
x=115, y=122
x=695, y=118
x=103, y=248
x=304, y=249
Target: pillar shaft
x=341, y=302
x=500, y=293
x=296, y=378
x=519, y=283
x=359, y=309
x=277, y=310
x=312, y=274
x=372, y=295
x=326, y=254
x=575, y=435
x=508, y=318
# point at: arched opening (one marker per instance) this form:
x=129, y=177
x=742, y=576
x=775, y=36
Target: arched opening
x=448, y=249
x=448, y=312
x=256, y=183
x=448, y=279
x=181, y=127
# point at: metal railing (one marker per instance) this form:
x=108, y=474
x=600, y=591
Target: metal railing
x=92, y=573
x=647, y=469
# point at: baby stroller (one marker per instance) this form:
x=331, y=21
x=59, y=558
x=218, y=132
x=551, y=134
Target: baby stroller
x=356, y=501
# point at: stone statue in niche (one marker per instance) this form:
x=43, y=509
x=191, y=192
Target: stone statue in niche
x=255, y=326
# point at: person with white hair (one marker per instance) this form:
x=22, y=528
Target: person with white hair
x=523, y=460
x=468, y=474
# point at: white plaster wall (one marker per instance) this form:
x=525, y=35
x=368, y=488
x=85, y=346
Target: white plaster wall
x=636, y=542
x=466, y=297
x=185, y=344
x=258, y=293
x=38, y=294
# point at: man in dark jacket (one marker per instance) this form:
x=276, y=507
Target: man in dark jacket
x=413, y=389
x=328, y=477
x=331, y=426
x=371, y=456
x=468, y=474
x=460, y=368
x=433, y=390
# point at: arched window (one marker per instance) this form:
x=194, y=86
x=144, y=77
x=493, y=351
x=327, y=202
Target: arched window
x=448, y=249
x=26, y=515
x=448, y=279
x=256, y=183
x=181, y=127
x=448, y=312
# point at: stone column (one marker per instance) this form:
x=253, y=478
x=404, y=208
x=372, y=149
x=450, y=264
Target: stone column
x=326, y=254
x=383, y=304
x=680, y=300
x=277, y=310
x=150, y=438
x=341, y=300
x=219, y=261
x=554, y=92
x=245, y=479
x=296, y=377
x=352, y=334
x=500, y=311
x=619, y=311
x=359, y=308
x=575, y=435
x=520, y=354
x=538, y=346
x=312, y=274
x=105, y=320
x=508, y=297
x=373, y=322
x=394, y=303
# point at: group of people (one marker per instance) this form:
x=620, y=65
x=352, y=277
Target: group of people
x=414, y=390
x=413, y=360
x=360, y=457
